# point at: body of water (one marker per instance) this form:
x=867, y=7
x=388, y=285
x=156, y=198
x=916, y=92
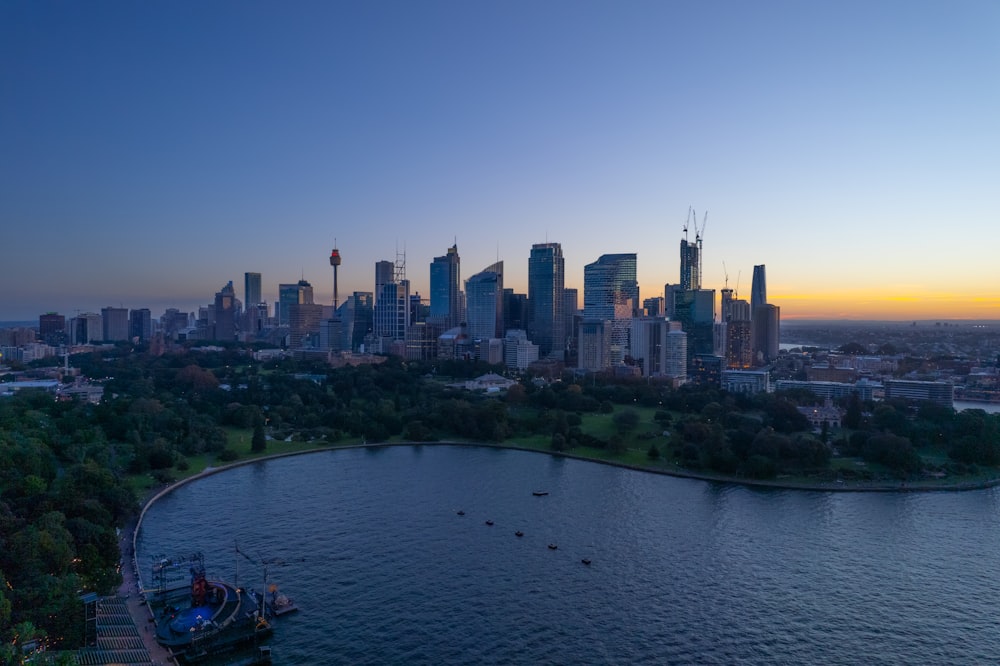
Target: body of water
x=386, y=571
x=989, y=407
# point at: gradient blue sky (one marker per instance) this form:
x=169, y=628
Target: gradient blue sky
x=152, y=151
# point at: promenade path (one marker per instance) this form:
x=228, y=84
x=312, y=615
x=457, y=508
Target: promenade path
x=140, y=612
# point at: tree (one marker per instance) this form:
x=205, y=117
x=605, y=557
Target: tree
x=852, y=419
x=626, y=420
x=259, y=442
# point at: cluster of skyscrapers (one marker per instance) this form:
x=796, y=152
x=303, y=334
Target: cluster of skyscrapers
x=676, y=335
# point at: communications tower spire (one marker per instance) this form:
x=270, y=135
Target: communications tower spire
x=335, y=262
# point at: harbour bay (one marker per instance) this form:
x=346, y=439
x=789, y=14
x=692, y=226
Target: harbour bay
x=385, y=569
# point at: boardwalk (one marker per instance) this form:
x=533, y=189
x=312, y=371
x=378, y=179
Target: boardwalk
x=130, y=599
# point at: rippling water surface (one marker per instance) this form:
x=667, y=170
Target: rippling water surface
x=682, y=571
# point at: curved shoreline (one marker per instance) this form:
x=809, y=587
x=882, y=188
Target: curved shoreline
x=132, y=530
x=848, y=487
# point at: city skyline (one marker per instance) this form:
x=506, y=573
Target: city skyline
x=151, y=153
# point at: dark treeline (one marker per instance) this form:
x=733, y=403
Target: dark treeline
x=64, y=466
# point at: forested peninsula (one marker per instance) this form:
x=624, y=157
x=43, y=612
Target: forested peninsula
x=72, y=472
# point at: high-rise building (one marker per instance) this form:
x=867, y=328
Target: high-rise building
x=304, y=320
x=594, y=345
x=654, y=307
x=384, y=272
x=546, y=284
x=695, y=310
x=690, y=265
x=758, y=289
x=140, y=324
x=446, y=290
x=765, y=321
x=677, y=356
x=611, y=293
x=85, y=328
x=484, y=303
x=691, y=254
x=736, y=332
x=52, y=328
x=114, y=324
x=251, y=290
x=766, y=333
x=515, y=311
x=225, y=314
x=648, y=344
x=518, y=351
x=392, y=302
x=289, y=294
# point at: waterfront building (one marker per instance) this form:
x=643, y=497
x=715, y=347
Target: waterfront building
x=611, y=293
x=546, y=285
x=446, y=292
x=484, y=303
x=941, y=393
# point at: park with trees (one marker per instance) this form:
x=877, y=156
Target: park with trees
x=72, y=472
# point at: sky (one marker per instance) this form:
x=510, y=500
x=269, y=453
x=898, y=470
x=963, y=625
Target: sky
x=152, y=151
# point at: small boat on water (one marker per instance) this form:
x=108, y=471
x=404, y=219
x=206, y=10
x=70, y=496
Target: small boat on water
x=519, y=533
x=279, y=604
x=540, y=493
x=552, y=546
x=585, y=560
x=460, y=512
x=489, y=522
